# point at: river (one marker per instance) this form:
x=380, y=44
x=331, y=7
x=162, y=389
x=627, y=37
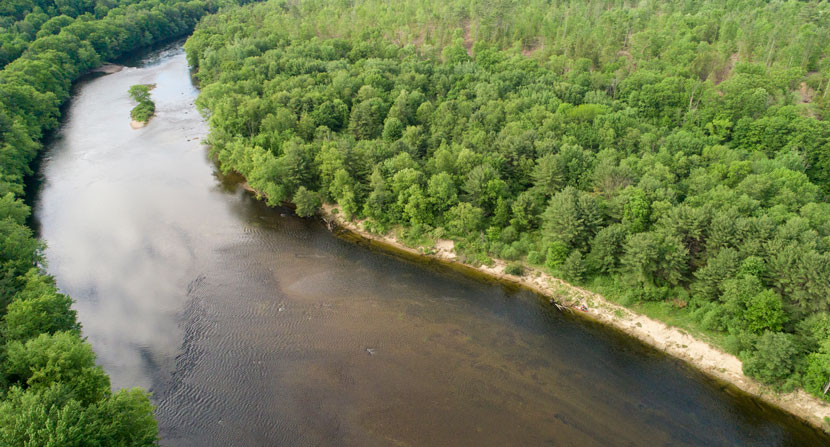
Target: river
x=251, y=326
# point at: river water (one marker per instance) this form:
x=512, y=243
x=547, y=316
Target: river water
x=253, y=327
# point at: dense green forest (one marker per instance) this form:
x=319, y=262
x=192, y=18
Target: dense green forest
x=23, y=21
x=53, y=393
x=672, y=155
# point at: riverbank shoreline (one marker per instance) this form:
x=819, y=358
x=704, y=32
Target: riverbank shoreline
x=702, y=356
x=138, y=124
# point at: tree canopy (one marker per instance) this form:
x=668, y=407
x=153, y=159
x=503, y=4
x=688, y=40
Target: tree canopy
x=665, y=152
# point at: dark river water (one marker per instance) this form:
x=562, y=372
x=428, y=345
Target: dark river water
x=253, y=327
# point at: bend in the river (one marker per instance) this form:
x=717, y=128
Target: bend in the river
x=254, y=327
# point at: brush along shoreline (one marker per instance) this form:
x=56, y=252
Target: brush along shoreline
x=710, y=360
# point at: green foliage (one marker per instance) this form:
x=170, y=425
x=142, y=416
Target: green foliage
x=333, y=114
x=773, y=359
x=19, y=251
x=13, y=208
x=535, y=257
x=392, y=129
x=573, y=268
x=636, y=213
x=366, y=119
x=563, y=218
x=38, y=309
x=654, y=258
x=711, y=277
x=510, y=253
x=55, y=418
x=607, y=249
x=556, y=254
x=818, y=373
x=307, y=202
x=752, y=308
x=59, y=358
x=464, y=219
x=514, y=268
x=655, y=146
x=145, y=109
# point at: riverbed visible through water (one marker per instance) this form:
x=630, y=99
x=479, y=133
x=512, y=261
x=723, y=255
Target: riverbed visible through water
x=252, y=327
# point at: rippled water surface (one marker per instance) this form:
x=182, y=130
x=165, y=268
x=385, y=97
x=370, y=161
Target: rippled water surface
x=253, y=327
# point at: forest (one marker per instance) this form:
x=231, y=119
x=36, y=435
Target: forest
x=53, y=393
x=671, y=155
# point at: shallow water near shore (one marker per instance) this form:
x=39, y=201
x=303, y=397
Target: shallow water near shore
x=254, y=327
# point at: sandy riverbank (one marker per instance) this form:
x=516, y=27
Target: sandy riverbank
x=107, y=68
x=674, y=341
x=703, y=356
x=138, y=124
